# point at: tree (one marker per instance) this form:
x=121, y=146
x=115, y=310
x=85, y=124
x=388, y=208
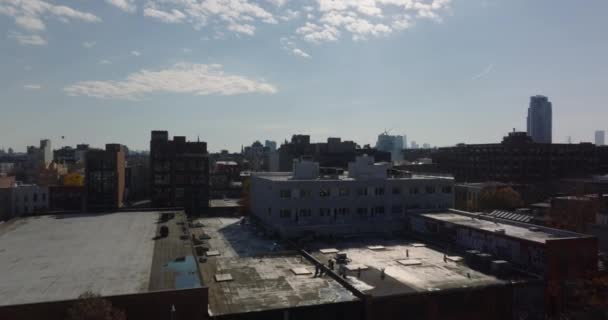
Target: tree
x=91, y=306
x=500, y=198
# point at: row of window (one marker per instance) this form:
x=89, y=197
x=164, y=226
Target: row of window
x=325, y=192
x=336, y=212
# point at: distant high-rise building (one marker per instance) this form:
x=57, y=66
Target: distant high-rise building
x=599, y=137
x=426, y=145
x=414, y=145
x=392, y=144
x=105, y=178
x=47, y=152
x=540, y=117
x=271, y=145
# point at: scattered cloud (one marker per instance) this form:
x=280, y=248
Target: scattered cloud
x=28, y=39
x=105, y=61
x=184, y=78
x=89, y=44
x=290, y=15
x=135, y=53
x=289, y=45
x=300, y=53
x=186, y=50
x=32, y=87
x=172, y=16
x=29, y=14
x=484, y=73
x=318, y=33
x=237, y=16
x=124, y=5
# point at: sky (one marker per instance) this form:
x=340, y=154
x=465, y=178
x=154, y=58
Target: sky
x=234, y=71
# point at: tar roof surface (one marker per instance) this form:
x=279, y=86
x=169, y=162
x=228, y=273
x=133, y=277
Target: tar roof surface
x=520, y=231
x=431, y=274
x=261, y=272
x=50, y=258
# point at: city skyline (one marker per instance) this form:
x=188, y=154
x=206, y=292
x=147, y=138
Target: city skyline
x=276, y=68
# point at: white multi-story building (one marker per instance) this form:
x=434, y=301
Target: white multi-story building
x=22, y=200
x=368, y=198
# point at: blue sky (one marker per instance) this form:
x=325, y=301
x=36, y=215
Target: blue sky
x=233, y=71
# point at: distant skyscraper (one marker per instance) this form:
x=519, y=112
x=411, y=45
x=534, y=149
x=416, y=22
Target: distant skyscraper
x=392, y=144
x=539, y=120
x=271, y=145
x=599, y=137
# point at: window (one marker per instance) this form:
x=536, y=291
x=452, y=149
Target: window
x=396, y=190
x=35, y=197
x=414, y=190
x=344, y=192
x=430, y=189
x=397, y=209
x=362, y=191
x=285, y=193
x=285, y=213
x=379, y=191
x=324, y=192
x=362, y=211
x=446, y=189
x=305, y=193
x=44, y=197
x=324, y=212
x=269, y=211
x=25, y=199
x=379, y=210
x=343, y=211
x=305, y=213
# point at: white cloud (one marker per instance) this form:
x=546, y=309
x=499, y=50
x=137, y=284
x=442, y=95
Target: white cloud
x=89, y=44
x=30, y=23
x=28, y=39
x=318, y=33
x=124, y=5
x=300, y=53
x=173, y=16
x=363, y=19
x=237, y=16
x=184, y=78
x=242, y=28
x=29, y=14
x=32, y=14
x=105, y=61
x=484, y=72
x=32, y=87
x=135, y=53
x=290, y=15
x=289, y=45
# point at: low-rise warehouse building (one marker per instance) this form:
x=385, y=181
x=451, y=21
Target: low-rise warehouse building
x=47, y=262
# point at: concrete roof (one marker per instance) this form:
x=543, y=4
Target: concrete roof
x=261, y=271
x=427, y=271
x=51, y=258
x=288, y=176
x=513, y=229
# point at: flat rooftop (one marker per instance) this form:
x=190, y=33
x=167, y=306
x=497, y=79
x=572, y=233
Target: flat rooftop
x=288, y=176
x=513, y=229
x=409, y=266
x=59, y=257
x=261, y=272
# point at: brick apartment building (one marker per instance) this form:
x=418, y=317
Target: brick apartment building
x=518, y=159
x=179, y=172
x=105, y=178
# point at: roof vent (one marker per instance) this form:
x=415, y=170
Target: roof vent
x=501, y=231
